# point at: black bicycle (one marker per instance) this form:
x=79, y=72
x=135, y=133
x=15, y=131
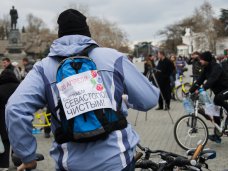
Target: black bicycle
x=195, y=160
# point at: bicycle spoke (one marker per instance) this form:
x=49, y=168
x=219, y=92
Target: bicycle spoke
x=188, y=131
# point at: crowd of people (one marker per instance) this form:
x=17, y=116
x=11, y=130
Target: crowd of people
x=10, y=78
x=207, y=72
x=166, y=71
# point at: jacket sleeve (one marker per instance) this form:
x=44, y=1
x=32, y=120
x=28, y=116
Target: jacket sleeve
x=213, y=77
x=198, y=82
x=26, y=100
x=142, y=94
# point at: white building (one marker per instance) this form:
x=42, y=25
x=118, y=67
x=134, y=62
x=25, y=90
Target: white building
x=192, y=42
x=183, y=50
x=199, y=42
x=221, y=45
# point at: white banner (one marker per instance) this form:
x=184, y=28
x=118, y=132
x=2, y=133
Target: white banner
x=83, y=92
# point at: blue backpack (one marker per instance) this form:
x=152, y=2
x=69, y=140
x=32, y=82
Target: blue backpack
x=73, y=76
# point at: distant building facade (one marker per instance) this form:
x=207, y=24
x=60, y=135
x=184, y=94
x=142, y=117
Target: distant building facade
x=221, y=45
x=199, y=42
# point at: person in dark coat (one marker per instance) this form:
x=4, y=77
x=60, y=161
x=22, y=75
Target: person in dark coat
x=27, y=66
x=148, y=65
x=166, y=68
x=196, y=66
x=6, y=62
x=8, y=84
x=173, y=77
x=180, y=64
x=216, y=80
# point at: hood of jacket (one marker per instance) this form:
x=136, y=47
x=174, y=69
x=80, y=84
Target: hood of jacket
x=70, y=45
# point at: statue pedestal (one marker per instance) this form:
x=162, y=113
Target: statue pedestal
x=15, y=47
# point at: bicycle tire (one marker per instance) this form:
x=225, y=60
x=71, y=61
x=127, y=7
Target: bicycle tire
x=190, y=134
x=180, y=93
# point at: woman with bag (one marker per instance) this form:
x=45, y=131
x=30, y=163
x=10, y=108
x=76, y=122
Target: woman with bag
x=8, y=84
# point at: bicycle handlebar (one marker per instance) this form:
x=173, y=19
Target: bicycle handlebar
x=147, y=150
x=171, y=160
x=146, y=164
x=170, y=163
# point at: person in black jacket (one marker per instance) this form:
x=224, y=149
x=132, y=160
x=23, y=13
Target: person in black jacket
x=6, y=63
x=196, y=66
x=8, y=84
x=165, y=68
x=216, y=80
x=148, y=64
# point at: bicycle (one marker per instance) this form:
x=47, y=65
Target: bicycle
x=189, y=129
x=42, y=119
x=184, y=87
x=195, y=161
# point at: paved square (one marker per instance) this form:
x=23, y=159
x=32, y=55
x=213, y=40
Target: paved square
x=156, y=133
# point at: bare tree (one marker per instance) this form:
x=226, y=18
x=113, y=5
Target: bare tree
x=108, y=34
x=173, y=34
x=202, y=21
x=208, y=22
x=224, y=21
x=35, y=24
x=5, y=26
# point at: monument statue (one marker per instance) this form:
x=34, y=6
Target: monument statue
x=14, y=17
x=188, y=31
x=15, y=47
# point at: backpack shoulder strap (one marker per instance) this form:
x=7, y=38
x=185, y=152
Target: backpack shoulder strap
x=88, y=49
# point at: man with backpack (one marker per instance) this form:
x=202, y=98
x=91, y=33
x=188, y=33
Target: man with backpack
x=83, y=85
x=216, y=80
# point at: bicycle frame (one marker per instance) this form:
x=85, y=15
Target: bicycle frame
x=42, y=123
x=220, y=127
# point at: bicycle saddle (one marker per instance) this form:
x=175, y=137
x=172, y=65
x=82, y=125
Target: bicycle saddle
x=206, y=153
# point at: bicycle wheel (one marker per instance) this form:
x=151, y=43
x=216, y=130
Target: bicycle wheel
x=180, y=92
x=189, y=130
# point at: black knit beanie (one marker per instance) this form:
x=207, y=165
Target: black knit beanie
x=72, y=22
x=206, y=56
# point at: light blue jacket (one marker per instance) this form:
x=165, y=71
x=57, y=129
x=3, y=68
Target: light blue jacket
x=118, y=73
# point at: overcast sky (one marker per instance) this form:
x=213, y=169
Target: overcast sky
x=140, y=19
